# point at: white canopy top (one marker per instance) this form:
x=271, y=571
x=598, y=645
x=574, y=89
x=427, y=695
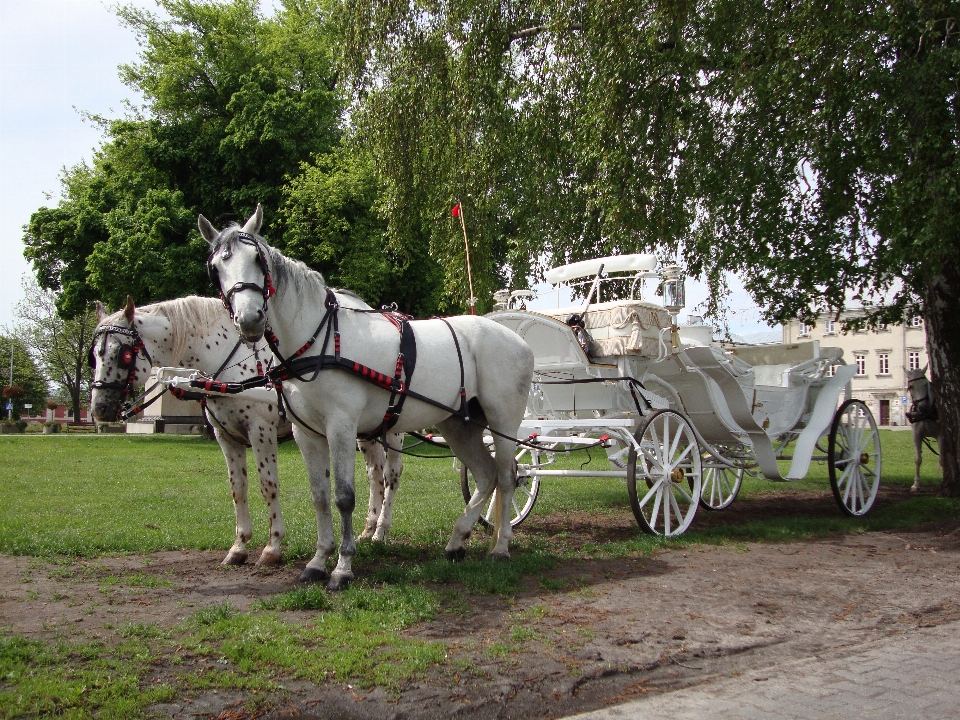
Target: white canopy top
x=615, y=263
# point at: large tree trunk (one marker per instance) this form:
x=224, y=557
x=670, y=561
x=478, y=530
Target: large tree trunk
x=942, y=319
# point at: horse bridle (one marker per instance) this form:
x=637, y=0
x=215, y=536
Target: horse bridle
x=267, y=290
x=126, y=357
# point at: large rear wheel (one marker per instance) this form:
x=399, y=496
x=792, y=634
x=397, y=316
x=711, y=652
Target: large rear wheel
x=854, y=459
x=528, y=487
x=664, y=477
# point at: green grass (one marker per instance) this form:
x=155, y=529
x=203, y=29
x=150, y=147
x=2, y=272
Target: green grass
x=64, y=496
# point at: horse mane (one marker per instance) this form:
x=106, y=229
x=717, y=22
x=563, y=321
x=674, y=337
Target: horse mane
x=190, y=316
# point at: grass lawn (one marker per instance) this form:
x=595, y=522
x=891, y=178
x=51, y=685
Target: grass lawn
x=88, y=495
x=64, y=496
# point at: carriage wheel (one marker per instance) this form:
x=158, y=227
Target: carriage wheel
x=528, y=487
x=853, y=456
x=721, y=484
x=669, y=472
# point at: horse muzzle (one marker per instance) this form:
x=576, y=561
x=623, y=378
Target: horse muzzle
x=251, y=325
x=106, y=410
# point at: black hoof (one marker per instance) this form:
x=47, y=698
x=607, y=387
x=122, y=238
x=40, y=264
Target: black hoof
x=310, y=574
x=456, y=555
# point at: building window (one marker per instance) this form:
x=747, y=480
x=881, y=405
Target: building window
x=831, y=371
x=804, y=330
x=913, y=360
x=882, y=327
x=829, y=328
x=861, y=365
x=916, y=322
x=883, y=363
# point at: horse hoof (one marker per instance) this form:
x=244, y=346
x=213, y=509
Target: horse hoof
x=310, y=574
x=456, y=555
x=268, y=559
x=340, y=582
x=235, y=558
x=500, y=557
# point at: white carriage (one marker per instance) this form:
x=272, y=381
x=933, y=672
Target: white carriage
x=682, y=419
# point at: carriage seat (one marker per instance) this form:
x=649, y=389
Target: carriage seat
x=620, y=327
x=784, y=365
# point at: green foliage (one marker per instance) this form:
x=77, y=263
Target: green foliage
x=26, y=375
x=333, y=225
x=234, y=102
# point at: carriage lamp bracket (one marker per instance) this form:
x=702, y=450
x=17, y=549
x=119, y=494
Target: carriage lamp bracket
x=674, y=297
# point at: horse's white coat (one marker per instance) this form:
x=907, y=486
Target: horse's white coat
x=337, y=406
x=919, y=388
x=197, y=332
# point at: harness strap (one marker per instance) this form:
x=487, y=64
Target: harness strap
x=464, y=413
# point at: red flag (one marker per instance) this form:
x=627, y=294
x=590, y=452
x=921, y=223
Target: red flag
x=456, y=210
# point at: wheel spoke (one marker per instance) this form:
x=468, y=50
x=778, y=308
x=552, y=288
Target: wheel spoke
x=651, y=492
x=680, y=489
x=656, y=510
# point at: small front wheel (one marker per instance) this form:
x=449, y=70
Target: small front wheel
x=721, y=484
x=853, y=457
x=668, y=465
x=528, y=487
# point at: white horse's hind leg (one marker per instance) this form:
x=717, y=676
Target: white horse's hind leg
x=466, y=441
x=375, y=459
x=264, y=445
x=506, y=487
x=343, y=459
x=236, y=457
x=316, y=456
x=391, y=481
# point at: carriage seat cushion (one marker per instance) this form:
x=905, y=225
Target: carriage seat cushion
x=620, y=327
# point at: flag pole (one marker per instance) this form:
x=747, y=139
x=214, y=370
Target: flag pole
x=466, y=244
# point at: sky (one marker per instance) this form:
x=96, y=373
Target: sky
x=58, y=60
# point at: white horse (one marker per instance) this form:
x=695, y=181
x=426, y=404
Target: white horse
x=923, y=418
x=466, y=365
x=197, y=332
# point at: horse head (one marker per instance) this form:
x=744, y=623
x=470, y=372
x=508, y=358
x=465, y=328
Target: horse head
x=918, y=384
x=118, y=357
x=239, y=269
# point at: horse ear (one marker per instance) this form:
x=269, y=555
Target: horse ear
x=252, y=225
x=923, y=370
x=208, y=231
x=128, y=310
x=101, y=310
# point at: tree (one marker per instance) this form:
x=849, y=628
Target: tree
x=809, y=147
x=234, y=102
x=29, y=386
x=333, y=225
x=58, y=346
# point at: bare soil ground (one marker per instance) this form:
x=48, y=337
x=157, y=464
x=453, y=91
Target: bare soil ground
x=605, y=631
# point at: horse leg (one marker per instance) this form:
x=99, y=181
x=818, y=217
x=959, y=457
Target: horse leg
x=375, y=459
x=466, y=441
x=506, y=487
x=917, y=448
x=236, y=456
x=264, y=445
x=391, y=481
x=316, y=456
x=343, y=459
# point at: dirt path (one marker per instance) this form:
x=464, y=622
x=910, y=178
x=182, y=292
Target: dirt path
x=609, y=630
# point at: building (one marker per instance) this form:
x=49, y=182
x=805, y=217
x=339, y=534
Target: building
x=882, y=358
